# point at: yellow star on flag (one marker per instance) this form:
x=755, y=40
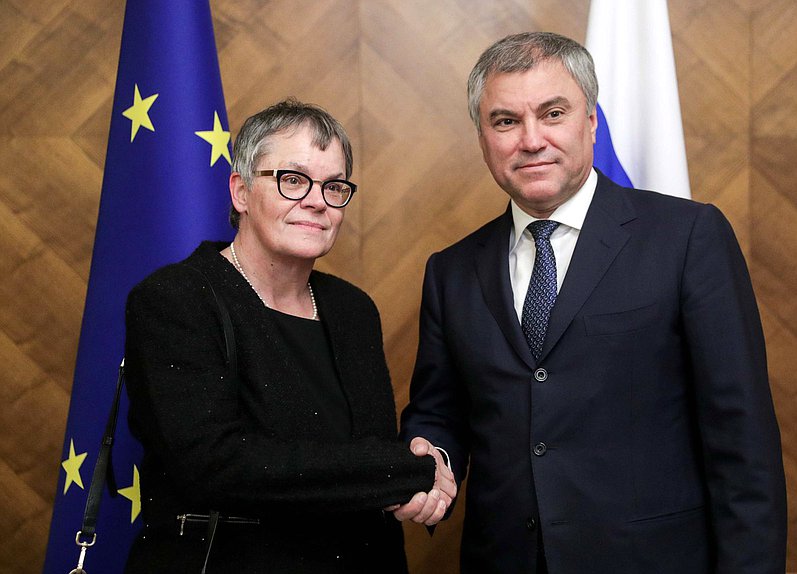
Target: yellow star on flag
x=218, y=139
x=133, y=494
x=72, y=467
x=138, y=113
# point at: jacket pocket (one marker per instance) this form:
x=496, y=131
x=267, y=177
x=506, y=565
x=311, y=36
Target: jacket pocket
x=674, y=542
x=621, y=321
x=678, y=515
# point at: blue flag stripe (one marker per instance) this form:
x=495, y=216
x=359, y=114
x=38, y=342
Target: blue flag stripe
x=606, y=159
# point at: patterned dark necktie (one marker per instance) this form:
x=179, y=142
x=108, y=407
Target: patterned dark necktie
x=541, y=294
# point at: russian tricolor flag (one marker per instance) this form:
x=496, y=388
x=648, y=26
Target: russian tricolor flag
x=640, y=141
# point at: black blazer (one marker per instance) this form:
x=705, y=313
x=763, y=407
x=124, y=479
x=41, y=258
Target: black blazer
x=255, y=447
x=644, y=440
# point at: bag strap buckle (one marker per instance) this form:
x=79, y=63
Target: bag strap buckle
x=83, y=546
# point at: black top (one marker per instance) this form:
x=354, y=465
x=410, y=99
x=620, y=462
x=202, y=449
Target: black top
x=317, y=371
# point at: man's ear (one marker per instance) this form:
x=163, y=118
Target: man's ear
x=483, y=146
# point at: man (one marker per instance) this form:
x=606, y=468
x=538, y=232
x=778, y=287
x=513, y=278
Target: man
x=594, y=356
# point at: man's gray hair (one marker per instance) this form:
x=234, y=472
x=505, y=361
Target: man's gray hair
x=520, y=53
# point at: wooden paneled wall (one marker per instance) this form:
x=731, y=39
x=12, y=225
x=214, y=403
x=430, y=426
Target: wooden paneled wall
x=394, y=72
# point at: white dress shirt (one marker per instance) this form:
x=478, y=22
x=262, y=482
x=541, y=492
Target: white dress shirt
x=570, y=215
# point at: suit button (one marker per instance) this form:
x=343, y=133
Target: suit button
x=540, y=448
x=541, y=375
x=531, y=524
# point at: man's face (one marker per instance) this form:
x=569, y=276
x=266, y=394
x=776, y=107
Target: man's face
x=536, y=136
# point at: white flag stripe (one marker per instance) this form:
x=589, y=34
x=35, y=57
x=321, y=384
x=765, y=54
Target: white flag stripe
x=631, y=44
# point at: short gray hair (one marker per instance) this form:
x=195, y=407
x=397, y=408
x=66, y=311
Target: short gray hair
x=521, y=52
x=253, y=138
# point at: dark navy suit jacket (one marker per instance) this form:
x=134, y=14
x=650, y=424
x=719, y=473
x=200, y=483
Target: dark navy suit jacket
x=644, y=439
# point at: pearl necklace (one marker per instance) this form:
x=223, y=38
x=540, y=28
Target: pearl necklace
x=241, y=271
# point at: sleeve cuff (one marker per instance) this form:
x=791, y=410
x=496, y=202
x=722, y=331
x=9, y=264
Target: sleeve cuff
x=445, y=457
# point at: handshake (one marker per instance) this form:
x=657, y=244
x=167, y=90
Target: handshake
x=429, y=507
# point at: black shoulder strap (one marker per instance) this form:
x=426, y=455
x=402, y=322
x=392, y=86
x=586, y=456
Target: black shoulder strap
x=229, y=335
x=102, y=469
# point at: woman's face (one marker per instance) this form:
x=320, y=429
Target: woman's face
x=284, y=228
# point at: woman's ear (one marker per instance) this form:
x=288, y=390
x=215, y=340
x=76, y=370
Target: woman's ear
x=238, y=192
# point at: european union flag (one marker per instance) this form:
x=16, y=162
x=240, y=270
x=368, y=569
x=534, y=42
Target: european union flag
x=164, y=191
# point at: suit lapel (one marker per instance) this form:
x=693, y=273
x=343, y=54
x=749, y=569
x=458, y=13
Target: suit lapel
x=600, y=240
x=492, y=268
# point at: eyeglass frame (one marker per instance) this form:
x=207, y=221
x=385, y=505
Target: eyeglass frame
x=277, y=173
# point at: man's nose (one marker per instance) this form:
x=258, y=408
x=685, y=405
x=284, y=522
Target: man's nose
x=532, y=136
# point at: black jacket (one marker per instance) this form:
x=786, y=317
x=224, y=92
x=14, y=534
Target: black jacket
x=644, y=439
x=253, y=447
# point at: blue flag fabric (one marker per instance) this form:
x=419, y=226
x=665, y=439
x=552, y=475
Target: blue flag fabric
x=164, y=191
x=606, y=158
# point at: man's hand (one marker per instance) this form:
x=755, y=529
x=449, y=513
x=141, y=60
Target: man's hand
x=429, y=508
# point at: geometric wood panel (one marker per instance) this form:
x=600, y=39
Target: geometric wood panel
x=773, y=215
x=57, y=70
x=393, y=71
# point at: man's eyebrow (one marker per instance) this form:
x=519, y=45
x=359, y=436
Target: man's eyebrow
x=556, y=101
x=501, y=112
x=553, y=102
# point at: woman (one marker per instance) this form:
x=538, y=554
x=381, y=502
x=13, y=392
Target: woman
x=295, y=449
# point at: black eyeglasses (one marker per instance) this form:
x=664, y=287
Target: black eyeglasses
x=296, y=185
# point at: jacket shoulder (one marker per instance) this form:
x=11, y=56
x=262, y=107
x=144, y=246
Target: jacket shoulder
x=179, y=278
x=652, y=208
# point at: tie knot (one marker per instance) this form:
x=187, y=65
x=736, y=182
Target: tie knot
x=542, y=229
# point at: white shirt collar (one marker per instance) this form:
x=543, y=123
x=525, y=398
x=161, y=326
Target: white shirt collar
x=571, y=213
